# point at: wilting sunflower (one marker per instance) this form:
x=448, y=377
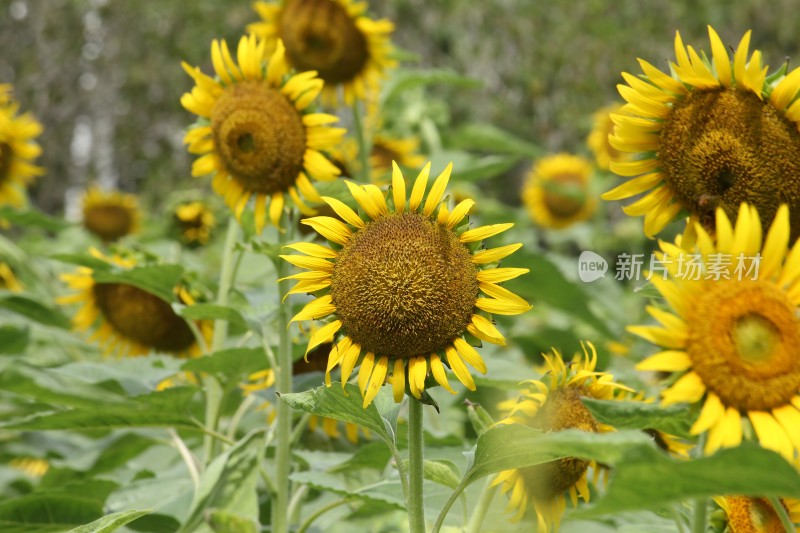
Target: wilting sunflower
x=556, y=191
x=732, y=334
x=18, y=149
x=110, y=215
x=715, y=134
x=404, y=286
x=130, y=321
x=756, y=515
x=254, y=133
x=602, y=127
x=8, y=280
x=556, y=405
x=335, y=38
x=194, y=221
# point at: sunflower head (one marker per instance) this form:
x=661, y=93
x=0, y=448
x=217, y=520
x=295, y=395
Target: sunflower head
x=254, y=132
x=18, y=150
x=194, y=221
x=335, y=38
x=715, y=133
x=554, y=404
x=556, y=192
x=745, y=514
x=110, y=215
x=403, y=283
x=128, y=320
x=731, y=331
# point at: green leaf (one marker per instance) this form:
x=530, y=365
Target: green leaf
x=675, y=420
x=229, y=365
x=441, y=472
x=44, y=512
x=491, y=139
x=32, y=219
x=13, y=339
x=331, y=483
x=49, y=387
x=168, y=408
x=516, y=446
x=158, y=280
x=111, y=522
x=345, y=405
x=32, y=309
x=229, y=484
x=84, y=260
x=648, y=478
x=211, y=312
x=480, y=419
x=372, y=455
x=405, y=79
x=222, y=522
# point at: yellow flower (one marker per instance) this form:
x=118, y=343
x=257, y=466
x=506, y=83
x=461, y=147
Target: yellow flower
x=602, y=127
x=194, y=220
x=555, y=405
x=18, y=149
x=714, y=134
x=404, y=286
x=130, y=321
x=556, y=191
x=110, y=215
x=731, y=336
x=385, y=149
x=32, y=466
x=255, y=134
x=335, y=38
x=8, y=280
x=756, y=515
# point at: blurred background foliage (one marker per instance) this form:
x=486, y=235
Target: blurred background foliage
x=104, y=76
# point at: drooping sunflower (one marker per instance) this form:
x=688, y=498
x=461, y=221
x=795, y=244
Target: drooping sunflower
x=732, y=332
x=194, y=221
x=18, y=150
x=556, y=191
x=716, y=133
x=8, y=280
x=403, y=284
x=555, y=405
x=110, y=215
x=255, y=133
x=127, y=320
x=332, y=37
x=756, y=515
x=602, y=127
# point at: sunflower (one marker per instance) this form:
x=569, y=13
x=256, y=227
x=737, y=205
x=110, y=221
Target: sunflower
x=732, y=334
x=385, y=149
x=602, y=128
x=556, y=191
x=129, y=320
x=8, y=280
x=715, y=134
x=110, y=215
x=756, y=515
x=194, y=221
x=403, y=286
x=332, y=37
x=556, y=405
x=254, y=133
x=18, y=149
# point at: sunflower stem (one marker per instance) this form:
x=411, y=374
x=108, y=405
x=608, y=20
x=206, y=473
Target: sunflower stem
x=364, y=147
x=482, y=507
x=700, y=504
x=414, y=500
x=780, y=510
x=280, y=517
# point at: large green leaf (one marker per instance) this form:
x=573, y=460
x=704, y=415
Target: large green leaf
x=32, y=219
x=111, y=522
x=49, y=387
x=13, y=339
x=647, y=478
x=229, y=365
x=34, y=310
x=347, y=406
x=45, y=512
x=159, y=280
x=675, y=420
x=491, y=139
x=336, y=484
x=168, y=408
x=229, y=485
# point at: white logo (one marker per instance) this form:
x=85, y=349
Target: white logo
x=591, y=267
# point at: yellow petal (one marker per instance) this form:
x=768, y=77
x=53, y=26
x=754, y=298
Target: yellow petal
x=499, y=275
x=377, y=381
x=311, y=263
x=332, y=229
x=319, y=308
x=398, y=189
x=435, y=195
x=398, y=380
x=689, y=389
x=439, y=374
x=417, y=370
x=323, y=334
x=666, y=361
x=483, y=328
x=484, y=232
x=711, y=414
x=365, y=371
x=459, y=368
x=312, y=249
x=418, y=191
x=493, y=255
x=469, y=354
x=770, y=434
x=344, y=211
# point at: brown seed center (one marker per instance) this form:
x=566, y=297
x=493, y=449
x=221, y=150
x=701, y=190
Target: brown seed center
x=109, y=222
x=5, y=160
x=259, y=136
x=564, y=195
x=404, y=286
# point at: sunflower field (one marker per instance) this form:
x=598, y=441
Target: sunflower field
x=399, y=266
